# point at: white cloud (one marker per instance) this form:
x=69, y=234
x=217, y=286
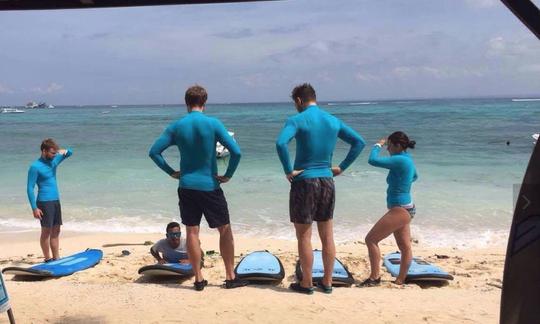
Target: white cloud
x=5, y=89
x=51, y=88
x=321, y=47
x=403, y=71
x=496, y=45
x=361, y=76
x=430, y=72
x=482, y=3
x=254, y=80
x=531, y=68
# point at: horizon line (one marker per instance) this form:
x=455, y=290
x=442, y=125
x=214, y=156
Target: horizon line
x=290, y=102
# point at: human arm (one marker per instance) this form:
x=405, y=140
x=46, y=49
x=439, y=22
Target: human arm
x=160, y=145
x=222, y=136
x=30, y=185
x=391, y=162
x=156, y=255
x=285, y=137
x=357, y=144
x=61, y=156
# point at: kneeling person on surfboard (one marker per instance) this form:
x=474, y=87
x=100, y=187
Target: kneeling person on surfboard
x=312, y=193
x=199, y=190
x=46, y=207
x=171, y=249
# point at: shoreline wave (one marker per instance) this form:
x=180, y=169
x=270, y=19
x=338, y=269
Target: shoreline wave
x=429, y=236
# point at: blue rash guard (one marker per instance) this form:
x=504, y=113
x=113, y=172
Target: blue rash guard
x=43, y=173
x=196, y=135
x=316, y=133
x=400, y=178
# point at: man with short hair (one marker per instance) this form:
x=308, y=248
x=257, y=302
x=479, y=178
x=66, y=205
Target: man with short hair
x=172, y=249
x=199, y=190
x=47, y=207
x=312, y=194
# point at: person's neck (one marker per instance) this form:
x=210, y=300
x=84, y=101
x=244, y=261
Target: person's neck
x=173, y=245
x=307, y=105
x=197, y=109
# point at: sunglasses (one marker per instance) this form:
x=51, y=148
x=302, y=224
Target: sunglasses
x=174, y=235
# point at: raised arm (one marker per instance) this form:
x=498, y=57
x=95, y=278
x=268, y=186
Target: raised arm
x=356, y=141
x=226, y=140
x=391, y=162
x=161, y=144
x=61, y=156
x=287, y=134
x=30, y=185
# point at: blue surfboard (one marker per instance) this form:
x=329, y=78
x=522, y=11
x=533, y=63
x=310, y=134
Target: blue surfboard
x=340, y=276
x=167, y=269
x=260, y=266
x=61, y=267
x=419, y=270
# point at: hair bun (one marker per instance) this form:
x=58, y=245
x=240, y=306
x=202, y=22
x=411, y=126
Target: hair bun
x=411, y=144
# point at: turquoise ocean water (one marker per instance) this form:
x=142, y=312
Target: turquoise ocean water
x=464, y=194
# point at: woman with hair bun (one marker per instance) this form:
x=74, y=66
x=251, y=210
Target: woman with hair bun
x=400, y=205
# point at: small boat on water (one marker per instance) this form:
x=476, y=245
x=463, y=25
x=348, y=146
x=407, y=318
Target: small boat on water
x=221, y=151
x=8, y=110
x=41, y=105
x=31, y=105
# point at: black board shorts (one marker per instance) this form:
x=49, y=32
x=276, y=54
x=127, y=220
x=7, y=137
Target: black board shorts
x=312, y=200
x=52, y=213
x=194, y=203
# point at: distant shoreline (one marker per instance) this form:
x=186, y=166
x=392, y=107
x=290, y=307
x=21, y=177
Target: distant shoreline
x=517, y=98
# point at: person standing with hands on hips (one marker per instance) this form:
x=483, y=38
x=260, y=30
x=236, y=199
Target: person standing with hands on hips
x=312, y=193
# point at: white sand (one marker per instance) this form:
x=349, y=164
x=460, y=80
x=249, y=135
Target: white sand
x=113, y=292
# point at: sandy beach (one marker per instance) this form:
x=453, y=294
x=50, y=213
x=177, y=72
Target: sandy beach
x=113, y=292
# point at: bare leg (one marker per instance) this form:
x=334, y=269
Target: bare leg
x=326, y=233
x=55, y=241
x=44, y=242
x=226, y=247
x=305, y=252
x=403, y=240
x=393, y=220
x=194, y=251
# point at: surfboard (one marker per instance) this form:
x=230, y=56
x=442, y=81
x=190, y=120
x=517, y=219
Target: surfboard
x=61, y=267
x=340, y=277
x=520, y=297
x=260, y=266
x=167, y=269
x=420, y=270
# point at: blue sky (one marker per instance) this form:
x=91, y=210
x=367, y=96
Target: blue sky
x=254, y=52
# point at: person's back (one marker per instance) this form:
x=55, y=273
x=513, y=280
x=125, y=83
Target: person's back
x=316, y=138
x=400, y=177
x=316, y=133
x=196, y=135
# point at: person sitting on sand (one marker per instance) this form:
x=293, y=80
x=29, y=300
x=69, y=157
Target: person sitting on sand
x=46, y=207
x=173, y=248
x=401, y=208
